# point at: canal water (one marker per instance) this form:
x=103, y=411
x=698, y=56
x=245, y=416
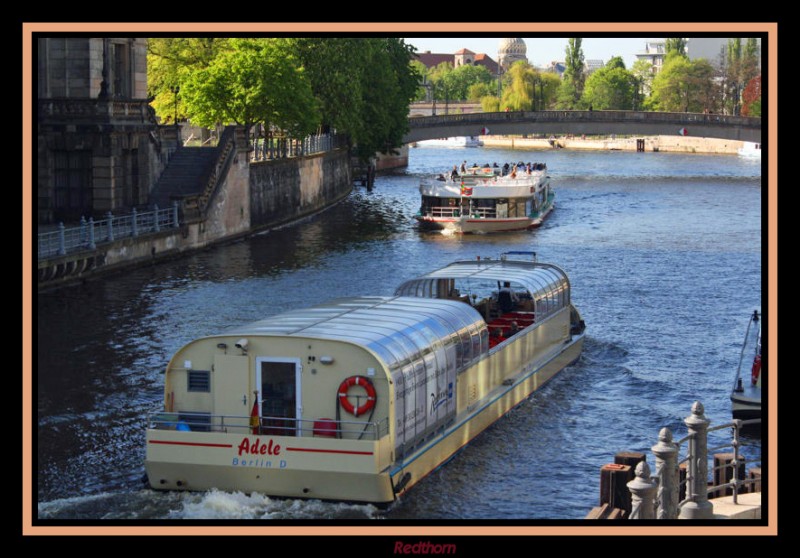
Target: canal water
x=664, y=255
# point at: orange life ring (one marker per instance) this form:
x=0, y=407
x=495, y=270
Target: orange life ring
x=345, y=386
x=756, y=372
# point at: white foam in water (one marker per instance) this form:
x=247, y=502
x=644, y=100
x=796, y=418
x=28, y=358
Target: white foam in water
x=224, y=505
x=216, y=504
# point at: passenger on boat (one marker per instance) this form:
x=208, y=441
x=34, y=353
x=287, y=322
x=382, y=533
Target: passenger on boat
x=464, y=167
x=507, y=298
x=513, y=329
x=454, y=173
x=514, y=173
x=494, y=165
x=505, y=169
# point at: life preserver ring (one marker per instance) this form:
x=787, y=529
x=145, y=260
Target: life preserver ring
x=756, y=372
x=345, y=386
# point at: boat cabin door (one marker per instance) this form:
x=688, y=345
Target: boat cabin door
x=278, y=381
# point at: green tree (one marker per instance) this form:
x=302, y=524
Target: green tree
x=422, y=71
x=518, y=94
x=490, y=103
x=615, y=62
x=477, y=91
x=571, y=89
x=459, y=80
x=610, y=88
x=364, y=86
x=169, y=63
x=675, y=44
x=642, y=72
x=254, y=81
x=683, y=86
x=740, y=65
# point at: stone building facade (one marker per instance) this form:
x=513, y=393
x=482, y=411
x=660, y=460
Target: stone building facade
x=100, y=148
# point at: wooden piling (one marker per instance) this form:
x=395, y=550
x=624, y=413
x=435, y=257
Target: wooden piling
x=629, y=458
x=755, y=473
x=614, y=479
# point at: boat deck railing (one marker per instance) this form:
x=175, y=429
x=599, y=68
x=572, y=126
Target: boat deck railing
x=274, y=426
x=477, y=212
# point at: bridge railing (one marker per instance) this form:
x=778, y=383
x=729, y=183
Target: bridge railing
x=486, y=118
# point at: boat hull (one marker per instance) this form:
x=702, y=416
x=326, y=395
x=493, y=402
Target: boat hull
x=746, y=404
x=333, y=469
x=472, y=225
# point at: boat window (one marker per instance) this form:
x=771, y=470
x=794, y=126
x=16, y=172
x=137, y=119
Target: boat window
x=198, y=380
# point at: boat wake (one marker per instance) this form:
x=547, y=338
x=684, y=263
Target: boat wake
x=213, y=504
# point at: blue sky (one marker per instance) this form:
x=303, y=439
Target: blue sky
x=541, y=51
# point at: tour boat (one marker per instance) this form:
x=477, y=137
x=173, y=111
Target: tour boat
x=746, y=393
x=750, y=150
x=358, y=399
x=459, y=141
x=482, y=200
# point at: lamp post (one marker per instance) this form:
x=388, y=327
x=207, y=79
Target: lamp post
x=175, y=89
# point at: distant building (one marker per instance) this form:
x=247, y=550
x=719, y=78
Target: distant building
x=654, y=52
x=97, y=137
x=460, y=58
x=592, y=65
x=557, y=67
x=510, y=51
x=711, y=48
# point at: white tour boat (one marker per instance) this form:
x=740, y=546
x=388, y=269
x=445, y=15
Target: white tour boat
x=750, y=150
x=459, y=141
x=746, y=393
x=360, y=398
x=480, y=200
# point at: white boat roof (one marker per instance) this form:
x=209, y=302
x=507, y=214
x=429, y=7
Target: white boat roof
x=396, y=329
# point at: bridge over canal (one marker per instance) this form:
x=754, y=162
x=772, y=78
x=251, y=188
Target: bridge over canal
x=578, y=122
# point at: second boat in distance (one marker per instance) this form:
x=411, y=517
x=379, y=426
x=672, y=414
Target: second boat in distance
x=487, y=199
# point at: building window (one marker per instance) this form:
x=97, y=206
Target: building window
x=72, y=183
x=120, y=68
x=199, y=380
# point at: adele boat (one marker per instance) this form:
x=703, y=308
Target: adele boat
x=360, y=398
x=746, y=393
x=482, y=200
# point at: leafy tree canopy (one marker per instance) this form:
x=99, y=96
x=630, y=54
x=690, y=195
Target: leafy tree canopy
x=610, y=88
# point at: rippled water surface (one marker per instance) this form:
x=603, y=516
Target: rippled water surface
x=664, y=255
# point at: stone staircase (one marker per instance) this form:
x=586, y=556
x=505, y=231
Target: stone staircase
x=186, y=174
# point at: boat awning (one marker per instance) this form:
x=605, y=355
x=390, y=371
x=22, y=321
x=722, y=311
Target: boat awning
x=547, y=284
x=397, y=329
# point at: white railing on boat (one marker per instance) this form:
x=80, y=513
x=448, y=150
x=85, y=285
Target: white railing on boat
x=454, y=212
x=276, y=426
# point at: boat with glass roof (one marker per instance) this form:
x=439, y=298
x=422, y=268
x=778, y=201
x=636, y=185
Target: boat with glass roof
x=487, y=199
x=360, y=398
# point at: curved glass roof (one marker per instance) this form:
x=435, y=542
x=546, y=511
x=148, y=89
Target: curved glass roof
x=547, y=283
x=397, y=329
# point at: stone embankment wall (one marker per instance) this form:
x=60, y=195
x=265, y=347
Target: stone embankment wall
x=670, y=144
x=284, y=190
x=252, y=197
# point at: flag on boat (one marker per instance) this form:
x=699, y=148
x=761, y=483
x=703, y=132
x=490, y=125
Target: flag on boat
x=465, y=191
x=683, y=132
x=254, y=419
x=484, y=131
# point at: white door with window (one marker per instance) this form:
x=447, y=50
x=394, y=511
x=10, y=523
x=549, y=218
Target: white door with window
x=280, y=401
